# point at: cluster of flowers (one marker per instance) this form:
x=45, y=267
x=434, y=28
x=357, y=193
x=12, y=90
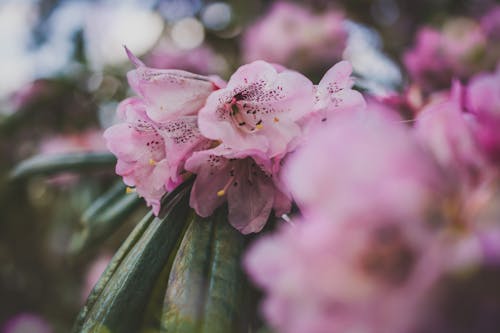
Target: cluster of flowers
x=459, y=50
x=394, y=213
x=232, y=136
x=292, y=35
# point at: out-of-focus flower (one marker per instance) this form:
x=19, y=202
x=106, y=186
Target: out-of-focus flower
x=458, y=50
x=88, y=141
x=446, y=130
x=93, y=274
x=169, y=93
x=483, y=101
x=151, y=155
x=491, y=24
x=27, y=323
x=363, y=160
x=364, y=274
x=407, y=104
x=258, y=109
x=295, y=37
x=202, y=60
x=243, y=179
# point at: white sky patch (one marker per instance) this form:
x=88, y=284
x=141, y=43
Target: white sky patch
x=108, y=28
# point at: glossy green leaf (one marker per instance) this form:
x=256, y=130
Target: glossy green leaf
x=71, y=162
x=206, y=284
x=226, y=286
x=120, y=302
x=104, y=216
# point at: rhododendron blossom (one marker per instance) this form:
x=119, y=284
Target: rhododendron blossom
x=233, y=138
x=483, y=101
x=334, y=93
x=387, y=162
x=245, y=180
x=439, y=56
x=169, y=93
x=258, y=109
x=363, y=274
x=446, y=130
x=151, y=155
x=295, y=37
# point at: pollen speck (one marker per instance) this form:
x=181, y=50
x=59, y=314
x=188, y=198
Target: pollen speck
x=276, y=119
x=152, y=162
x=259, y=126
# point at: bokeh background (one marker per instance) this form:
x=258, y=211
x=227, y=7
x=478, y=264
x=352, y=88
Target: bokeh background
x=62, y=73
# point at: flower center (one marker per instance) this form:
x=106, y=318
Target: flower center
x=244, y=117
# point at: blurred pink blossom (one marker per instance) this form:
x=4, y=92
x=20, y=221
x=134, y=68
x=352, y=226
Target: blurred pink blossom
x=94, y=272
x=444, y=128
x=363, y=161
x=453, y=52
x=365, y=274
x=483, y=101
x=27, y=323
x=295, y=37
x=490, y=23
x=201, y=60
x=88, y=141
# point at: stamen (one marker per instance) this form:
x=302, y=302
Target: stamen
x=259, y=126
x=276, y=119
x=152, y=162
x=129, y=190
x=222, y=191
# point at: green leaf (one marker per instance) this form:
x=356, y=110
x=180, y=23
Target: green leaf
x=226, y=286
x=187, y=284
x=119, y=302
x=206, y=284
x=71, y=162
x=104, y=216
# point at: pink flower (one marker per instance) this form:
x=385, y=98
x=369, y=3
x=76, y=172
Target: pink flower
x=446, y=130
x=90, y=140
x=93, y=273
x=258, y=109
x=334, y=93
x=27, y=322
x=293, y=36
x=243, y=179
x=363, y=160
x=151, y=155
x=439, y=56
x=202, y=60
x=169, y=93
x=490, y=23
x=365, y=274
x=87, y=141
x=483, y=101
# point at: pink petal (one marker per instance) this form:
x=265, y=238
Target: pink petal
x=250, y=201
x=212, y=174
x=170, y=93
